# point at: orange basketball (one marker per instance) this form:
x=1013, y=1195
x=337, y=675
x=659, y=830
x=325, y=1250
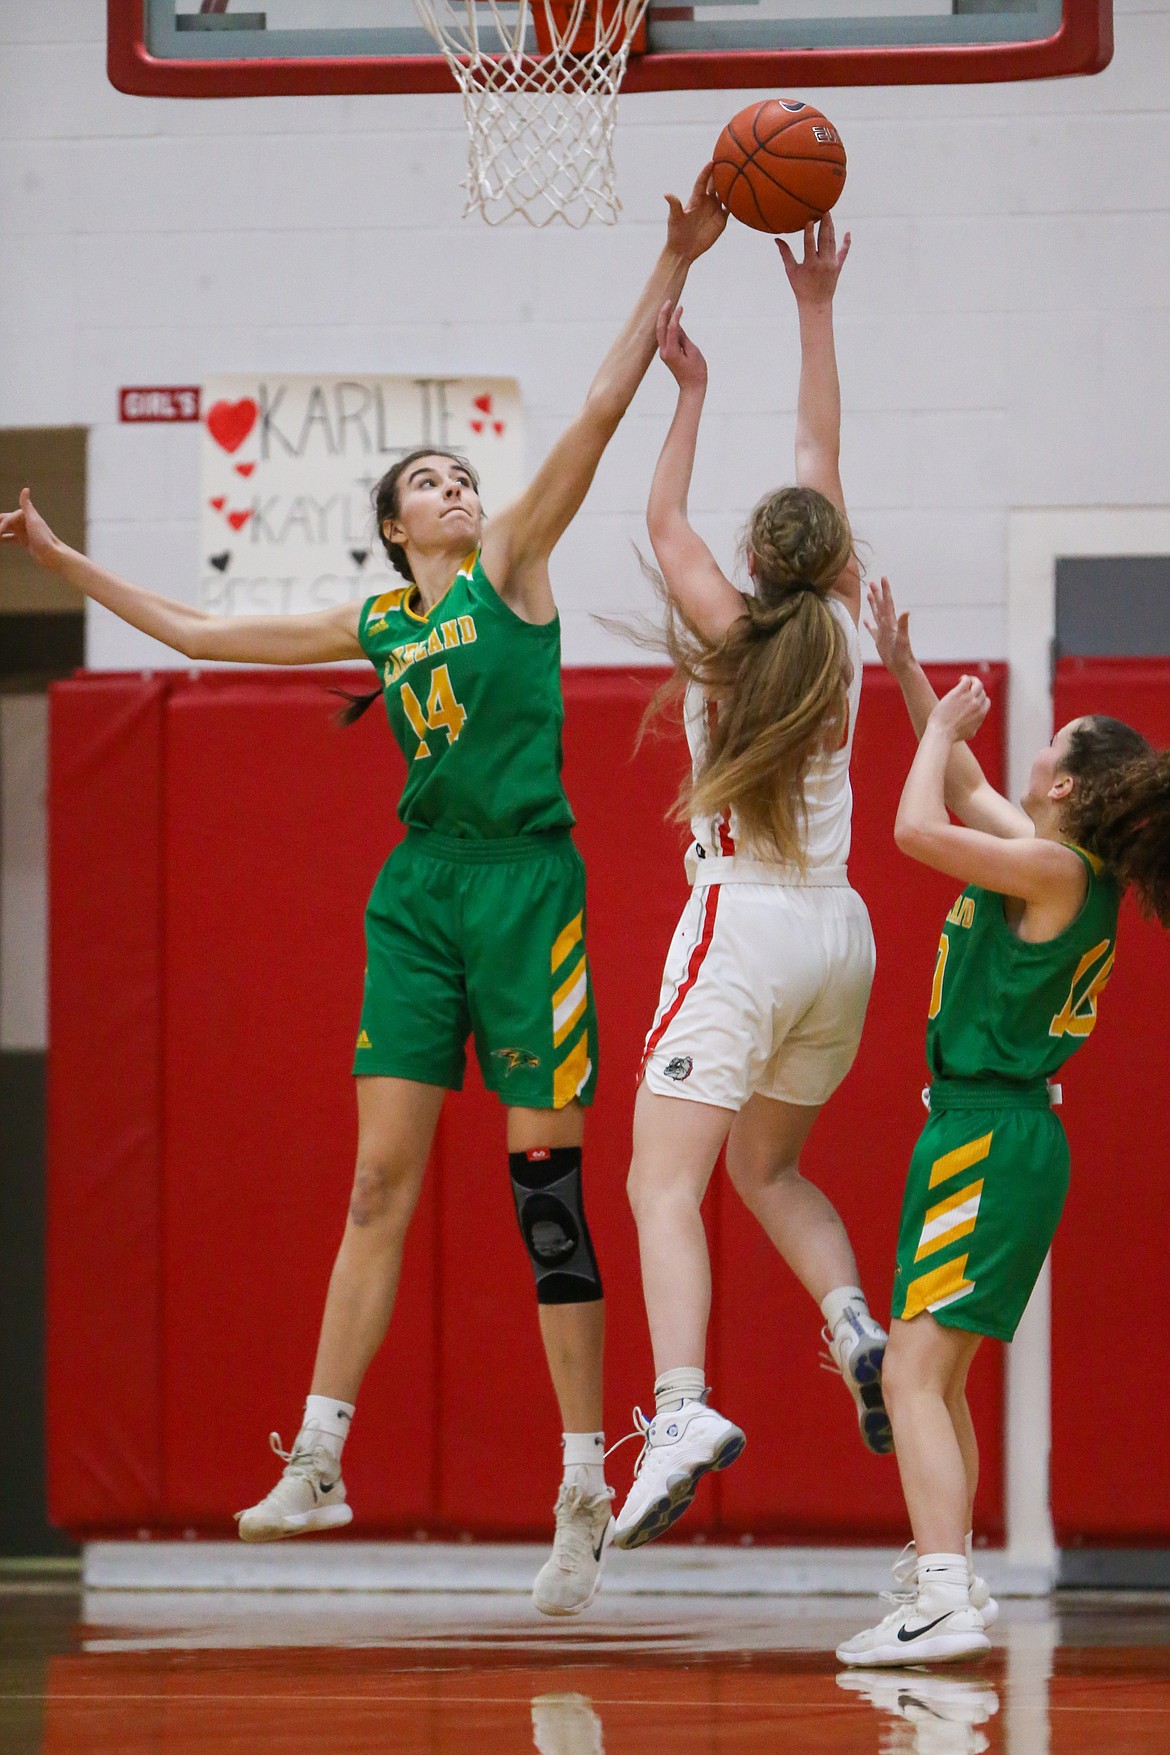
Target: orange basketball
x=779, y=164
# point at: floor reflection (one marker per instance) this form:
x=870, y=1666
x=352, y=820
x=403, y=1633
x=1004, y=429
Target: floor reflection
x=182, y=1674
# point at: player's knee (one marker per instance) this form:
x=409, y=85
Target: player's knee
x=756, y=1174
x=383, y=1193
x=550, y=1209
x=900, y=1377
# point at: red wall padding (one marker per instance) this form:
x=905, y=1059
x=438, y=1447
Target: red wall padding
x=234, y=836
x=104, y=1222
x=1109, y=1434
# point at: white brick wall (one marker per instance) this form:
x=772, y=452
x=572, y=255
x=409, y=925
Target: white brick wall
x=1003, y=323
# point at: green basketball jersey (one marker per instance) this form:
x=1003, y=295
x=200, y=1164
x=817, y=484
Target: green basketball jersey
x=473, y=694
x=1004, y=1009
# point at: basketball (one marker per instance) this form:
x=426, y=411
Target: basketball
x=779, y=164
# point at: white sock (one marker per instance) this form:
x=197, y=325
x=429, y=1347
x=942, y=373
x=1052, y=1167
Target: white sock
x=584, y=1460
x=834, y=1304
x=944, y=1575
x=685, y=1383
x=326, y=1425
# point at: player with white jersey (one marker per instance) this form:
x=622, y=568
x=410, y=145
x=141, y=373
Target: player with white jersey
x=768, y=977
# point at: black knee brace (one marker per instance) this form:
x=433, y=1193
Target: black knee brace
x=546, y=1186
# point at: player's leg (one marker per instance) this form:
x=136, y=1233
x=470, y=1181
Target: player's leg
x=763, y=1162
x=960, y=1412
x=409, y=1053
x=535, y=1027
x=676, y=1144
x=926, y=1365
x=821, y=953
x=396, y=1125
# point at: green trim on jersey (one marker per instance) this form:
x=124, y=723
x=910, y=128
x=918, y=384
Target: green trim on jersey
x=473, y=695
x=1002, y=1008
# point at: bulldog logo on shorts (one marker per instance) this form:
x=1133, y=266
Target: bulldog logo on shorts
x=679, y=1068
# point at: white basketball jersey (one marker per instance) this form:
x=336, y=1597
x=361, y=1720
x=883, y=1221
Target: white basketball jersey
x=718, y=844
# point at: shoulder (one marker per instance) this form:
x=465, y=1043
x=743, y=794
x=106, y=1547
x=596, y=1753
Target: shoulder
x=375, y=613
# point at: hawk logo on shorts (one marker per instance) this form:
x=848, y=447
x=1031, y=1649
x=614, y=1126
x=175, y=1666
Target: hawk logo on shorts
x=680, y=1068
x=516, y=1058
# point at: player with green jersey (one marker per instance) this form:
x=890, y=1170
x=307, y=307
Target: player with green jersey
x=476, y=926
x=1024, y=954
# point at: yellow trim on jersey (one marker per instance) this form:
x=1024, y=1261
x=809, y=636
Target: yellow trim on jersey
x=951, y=1219
x=566, y=939
x=389, y=600
x=942, y=1285
x=572, y=1073
x=962, y=1158
x=466, y=566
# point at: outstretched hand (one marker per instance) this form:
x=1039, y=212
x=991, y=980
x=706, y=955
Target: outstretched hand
x=889, y=630
x=29, y=529
x=962, y=711
x=692, y=229
x=677, y=351
x=814, y=280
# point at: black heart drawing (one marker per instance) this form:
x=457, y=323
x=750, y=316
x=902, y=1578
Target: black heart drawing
x=221, y=562
x=359, y=556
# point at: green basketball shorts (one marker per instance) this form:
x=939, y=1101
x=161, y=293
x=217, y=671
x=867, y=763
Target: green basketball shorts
x=483, y=939
x=983, y=1198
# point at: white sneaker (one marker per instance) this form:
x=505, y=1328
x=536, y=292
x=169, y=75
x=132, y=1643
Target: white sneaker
x=857, y=1346
x=905, y=1570
x=926, y=1628
x=981, y=1598
x=569, y=1579
x=945, y=1711
x=682, y=1445
x=310, y=1495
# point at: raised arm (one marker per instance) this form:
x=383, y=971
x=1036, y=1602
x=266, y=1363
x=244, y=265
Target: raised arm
x=705, y=596
x=1046, y=875
x=969, y=794
x=327, y=638
x=518, y=542
x=818, y=401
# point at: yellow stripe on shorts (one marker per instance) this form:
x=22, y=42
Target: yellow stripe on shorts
x=962, y=1158
x=569, y=1000
x=949, y=1220
x=572, y=1072
x=942, y=1285
x=566, y=940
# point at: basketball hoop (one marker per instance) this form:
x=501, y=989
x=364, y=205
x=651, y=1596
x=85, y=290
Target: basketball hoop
x=540, y=85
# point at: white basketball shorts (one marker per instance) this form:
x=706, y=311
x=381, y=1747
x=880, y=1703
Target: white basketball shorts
x=764, y=991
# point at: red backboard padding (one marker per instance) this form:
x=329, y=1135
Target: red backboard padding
x=1109, y=1260
x=194, y=1301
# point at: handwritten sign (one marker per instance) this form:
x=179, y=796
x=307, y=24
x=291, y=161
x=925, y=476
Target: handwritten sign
x=288, y=468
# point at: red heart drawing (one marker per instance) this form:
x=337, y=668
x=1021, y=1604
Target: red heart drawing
x=237, y=520
x=229, y=423
x=245, y=469
x=498, y=428
x=219, y=504
x=484, y=402
x=477, y=426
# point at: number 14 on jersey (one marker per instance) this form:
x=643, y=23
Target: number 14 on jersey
x=444, y=712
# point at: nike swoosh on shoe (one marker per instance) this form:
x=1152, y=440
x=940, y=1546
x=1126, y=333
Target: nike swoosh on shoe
x=905, y=1635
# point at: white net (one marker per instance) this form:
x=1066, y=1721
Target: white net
x=540, y=102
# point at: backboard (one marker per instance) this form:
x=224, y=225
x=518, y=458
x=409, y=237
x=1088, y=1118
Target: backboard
x=250, y=48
